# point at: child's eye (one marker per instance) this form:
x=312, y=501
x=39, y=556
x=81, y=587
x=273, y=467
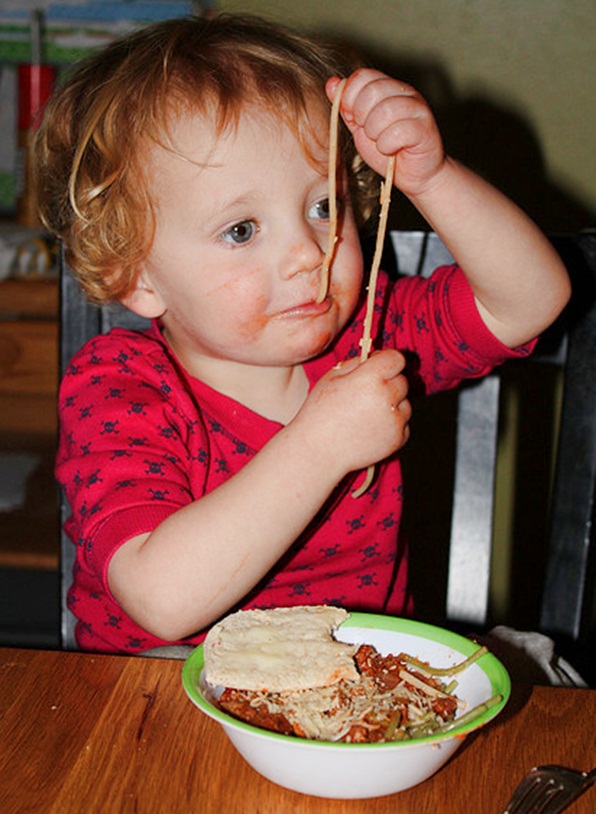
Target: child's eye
x=240, y=233
x=320, y=210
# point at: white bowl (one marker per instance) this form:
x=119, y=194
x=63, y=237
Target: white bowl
x=352, y=770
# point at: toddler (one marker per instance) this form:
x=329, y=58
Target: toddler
x=209, y=461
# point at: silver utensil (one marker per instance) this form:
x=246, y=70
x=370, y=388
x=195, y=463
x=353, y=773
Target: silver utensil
x=548, y=790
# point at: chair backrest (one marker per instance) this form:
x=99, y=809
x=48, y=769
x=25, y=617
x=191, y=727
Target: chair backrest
x=568, y=605
x=567, y=553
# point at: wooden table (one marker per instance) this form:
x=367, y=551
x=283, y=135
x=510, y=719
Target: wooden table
x=85, y=733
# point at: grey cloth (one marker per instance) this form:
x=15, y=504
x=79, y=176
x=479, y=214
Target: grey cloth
x=169, y=651
x=530, y=657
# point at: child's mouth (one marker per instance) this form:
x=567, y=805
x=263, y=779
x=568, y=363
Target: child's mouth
x=311, y=308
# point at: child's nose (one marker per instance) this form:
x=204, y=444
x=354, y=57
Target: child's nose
x=304, y=255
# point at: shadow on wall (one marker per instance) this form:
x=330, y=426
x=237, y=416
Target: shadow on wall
x=494, y=141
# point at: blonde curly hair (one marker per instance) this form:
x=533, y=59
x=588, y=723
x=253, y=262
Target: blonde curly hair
x=90, y=146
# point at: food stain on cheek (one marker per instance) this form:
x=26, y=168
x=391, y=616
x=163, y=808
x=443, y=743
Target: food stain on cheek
x=321, y=340
x=246, y=311
x=346, y=297
x=253, y=324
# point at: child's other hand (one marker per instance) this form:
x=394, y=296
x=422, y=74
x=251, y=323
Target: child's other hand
x=358, y=413
x=388, y=117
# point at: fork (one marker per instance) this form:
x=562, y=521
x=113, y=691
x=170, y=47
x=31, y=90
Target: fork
x=548, y=790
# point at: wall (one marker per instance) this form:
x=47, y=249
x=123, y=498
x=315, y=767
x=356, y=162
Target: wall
x=512, y=81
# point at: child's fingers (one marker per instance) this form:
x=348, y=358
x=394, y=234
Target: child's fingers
x=405, y=409
x=400, y=135
x=331, y=86
x=387, y=363
x=355, y=396
x=387, y=117
x=344, y=367
x=386, y=368
x=396, y=115
x=366, y=89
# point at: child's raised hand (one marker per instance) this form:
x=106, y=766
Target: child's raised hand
x=358, y=413
x=387, y=117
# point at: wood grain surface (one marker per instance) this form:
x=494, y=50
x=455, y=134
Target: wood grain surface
x=87, y=733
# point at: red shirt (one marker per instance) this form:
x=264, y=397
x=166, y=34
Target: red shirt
x=140, y=438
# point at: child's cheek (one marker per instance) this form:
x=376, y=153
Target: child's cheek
x=346, y=294
x=237, y=282
x=250, y=318
x=241, y=303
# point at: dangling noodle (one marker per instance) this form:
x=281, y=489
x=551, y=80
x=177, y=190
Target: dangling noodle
x=366, y=341
x=332, y=235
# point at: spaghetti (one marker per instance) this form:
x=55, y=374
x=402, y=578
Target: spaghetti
x=366, y=341
x=385, y=200
x=332, y=235
x=395, y=698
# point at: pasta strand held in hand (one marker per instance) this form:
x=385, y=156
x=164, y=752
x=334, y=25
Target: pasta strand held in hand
x=332, y=234
x=366, y=341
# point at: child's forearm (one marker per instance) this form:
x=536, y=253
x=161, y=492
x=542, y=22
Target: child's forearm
x=519, y=281
x=204, y=558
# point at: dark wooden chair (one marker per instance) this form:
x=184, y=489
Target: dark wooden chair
x=470, y=427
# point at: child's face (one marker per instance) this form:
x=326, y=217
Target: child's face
x=241, y=231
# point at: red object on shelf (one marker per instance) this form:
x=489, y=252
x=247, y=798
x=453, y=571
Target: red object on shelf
x=35, y=86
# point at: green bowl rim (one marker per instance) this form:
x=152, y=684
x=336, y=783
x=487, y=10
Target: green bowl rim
x=488, y=663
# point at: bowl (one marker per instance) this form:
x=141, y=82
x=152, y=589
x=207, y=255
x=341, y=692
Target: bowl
x=353, y=770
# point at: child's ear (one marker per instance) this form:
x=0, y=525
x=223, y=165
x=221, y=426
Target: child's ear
x=144, y=300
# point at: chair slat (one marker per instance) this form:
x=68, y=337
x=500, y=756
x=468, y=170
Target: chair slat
x=468, y=581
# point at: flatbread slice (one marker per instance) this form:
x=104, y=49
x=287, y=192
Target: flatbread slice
x=279, y=649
